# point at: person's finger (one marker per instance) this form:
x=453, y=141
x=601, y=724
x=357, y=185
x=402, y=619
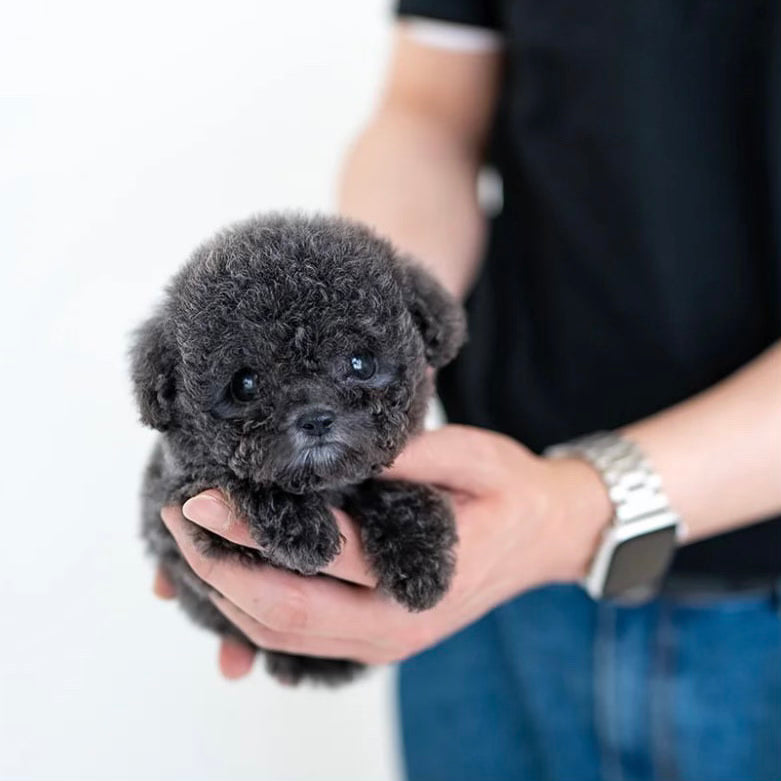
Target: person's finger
x=235, y=658
x=284, y=601
x=291, y=642
x=162, y=586
x=211, y=510
x=351, y=564
x=453, y=457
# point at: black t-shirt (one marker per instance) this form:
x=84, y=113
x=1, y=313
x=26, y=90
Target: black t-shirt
x=636, y=260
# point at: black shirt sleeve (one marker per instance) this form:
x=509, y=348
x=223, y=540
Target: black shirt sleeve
x=477, y=13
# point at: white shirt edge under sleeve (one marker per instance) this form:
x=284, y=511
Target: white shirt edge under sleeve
x=440, y=34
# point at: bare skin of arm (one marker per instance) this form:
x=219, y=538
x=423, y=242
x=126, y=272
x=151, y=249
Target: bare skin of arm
x=523, y=520
x=412, y=173
x=719, y=453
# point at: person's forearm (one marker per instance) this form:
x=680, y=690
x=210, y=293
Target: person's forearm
x=413, y=181
x=719, y=453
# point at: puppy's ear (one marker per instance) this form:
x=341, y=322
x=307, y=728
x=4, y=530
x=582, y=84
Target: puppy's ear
x=438, y=316
x=153, y=363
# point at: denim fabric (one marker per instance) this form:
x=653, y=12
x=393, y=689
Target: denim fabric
x=555, y=687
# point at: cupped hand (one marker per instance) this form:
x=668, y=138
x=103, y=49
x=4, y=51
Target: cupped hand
x=522, y=521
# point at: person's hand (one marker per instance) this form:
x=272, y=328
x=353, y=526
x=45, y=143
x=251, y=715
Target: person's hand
x=522, y=521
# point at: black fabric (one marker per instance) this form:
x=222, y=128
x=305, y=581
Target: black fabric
x=459, y=11
x=636, y=260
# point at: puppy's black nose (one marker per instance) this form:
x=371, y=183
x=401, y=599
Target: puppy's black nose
x=316, y=422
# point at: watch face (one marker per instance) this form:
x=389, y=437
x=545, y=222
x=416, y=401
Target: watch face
x=639, y=561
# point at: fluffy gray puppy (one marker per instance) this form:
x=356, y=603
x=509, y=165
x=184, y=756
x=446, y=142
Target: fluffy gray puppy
x=287, y=365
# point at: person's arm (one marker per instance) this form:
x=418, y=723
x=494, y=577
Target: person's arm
x=412, y=173
x=719, y=453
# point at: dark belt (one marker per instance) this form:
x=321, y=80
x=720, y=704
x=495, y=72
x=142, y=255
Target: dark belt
x=685, y=585
x=702, y=589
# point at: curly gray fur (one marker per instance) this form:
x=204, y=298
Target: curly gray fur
x=292, y=302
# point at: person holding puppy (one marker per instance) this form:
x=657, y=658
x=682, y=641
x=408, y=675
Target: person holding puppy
x=625, y=306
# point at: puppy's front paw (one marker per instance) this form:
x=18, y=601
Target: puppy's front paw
x=307, y=549
x=215, y=547
x=418, y=582
x=409, y=536
x=297, y=532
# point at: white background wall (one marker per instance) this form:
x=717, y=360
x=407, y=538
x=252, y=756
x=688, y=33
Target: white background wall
x=128, y=132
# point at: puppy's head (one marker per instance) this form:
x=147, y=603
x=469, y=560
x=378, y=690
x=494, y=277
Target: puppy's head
x=294, y=351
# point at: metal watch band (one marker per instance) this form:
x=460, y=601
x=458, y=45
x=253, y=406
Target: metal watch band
x=637, y=547
x=635, y=489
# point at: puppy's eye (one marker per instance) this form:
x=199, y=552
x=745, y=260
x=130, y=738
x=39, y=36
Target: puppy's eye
x=363, y=366
x=245, y=386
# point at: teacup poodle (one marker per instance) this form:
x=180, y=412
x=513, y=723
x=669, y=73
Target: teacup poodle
x=289, y=362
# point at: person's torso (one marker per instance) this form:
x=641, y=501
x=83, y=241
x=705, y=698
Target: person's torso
x=636, y=261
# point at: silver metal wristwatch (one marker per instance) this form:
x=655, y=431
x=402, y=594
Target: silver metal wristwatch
x=637, y=547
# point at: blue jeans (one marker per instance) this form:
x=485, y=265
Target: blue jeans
x=555, y=687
